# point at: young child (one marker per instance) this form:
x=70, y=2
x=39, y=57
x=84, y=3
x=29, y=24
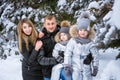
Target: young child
x=80, y=50
x=62, y=39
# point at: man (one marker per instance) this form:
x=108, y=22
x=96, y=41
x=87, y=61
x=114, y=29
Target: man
x=45, y=58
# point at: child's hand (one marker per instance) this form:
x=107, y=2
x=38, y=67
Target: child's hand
x=41, y=34
x=38, y=45
x=95, y=71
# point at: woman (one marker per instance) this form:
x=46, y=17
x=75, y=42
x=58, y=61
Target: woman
x=29, y=48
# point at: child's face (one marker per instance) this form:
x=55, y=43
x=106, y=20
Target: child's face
x=63, y=37
x=83, y=33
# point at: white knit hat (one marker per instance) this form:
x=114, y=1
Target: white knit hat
x=83, y=22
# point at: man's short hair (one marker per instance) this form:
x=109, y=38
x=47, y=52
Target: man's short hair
x=49, y=17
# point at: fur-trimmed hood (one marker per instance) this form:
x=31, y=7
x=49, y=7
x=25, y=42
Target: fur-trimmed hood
x=74, y=32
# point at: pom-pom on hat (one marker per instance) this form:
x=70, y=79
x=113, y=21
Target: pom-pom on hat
x=65, y=27
x=83, y=22
x=65, y=23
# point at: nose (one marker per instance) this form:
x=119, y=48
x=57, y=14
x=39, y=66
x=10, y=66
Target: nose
x=51, y=26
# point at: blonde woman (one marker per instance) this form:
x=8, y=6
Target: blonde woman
x=29, y=48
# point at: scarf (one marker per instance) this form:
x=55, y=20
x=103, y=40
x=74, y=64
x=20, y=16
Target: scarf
x=82, y=40
x=64, y=43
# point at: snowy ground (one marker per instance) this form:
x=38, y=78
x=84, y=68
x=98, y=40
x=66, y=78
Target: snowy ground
x=10, y=69
x=106, y=57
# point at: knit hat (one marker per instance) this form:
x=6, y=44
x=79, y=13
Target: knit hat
x=64, y=30
x=65, y=25
x=83, y=22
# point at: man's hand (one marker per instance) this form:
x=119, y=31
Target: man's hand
x=41, y=34
x=60, y=59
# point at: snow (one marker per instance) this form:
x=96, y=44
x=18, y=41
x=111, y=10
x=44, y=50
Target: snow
x=10, y=69
x=113, y=71
x=61, y=3
x=115, y=17
x=94, y=4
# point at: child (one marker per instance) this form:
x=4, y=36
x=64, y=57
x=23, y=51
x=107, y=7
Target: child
x=58, y=52
x=80, y=50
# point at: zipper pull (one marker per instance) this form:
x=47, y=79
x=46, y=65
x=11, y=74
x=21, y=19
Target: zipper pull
x=28, y=67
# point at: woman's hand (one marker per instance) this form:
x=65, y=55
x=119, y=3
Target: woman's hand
x=38, y=45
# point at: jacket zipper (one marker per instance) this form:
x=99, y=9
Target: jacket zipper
x=28, y=67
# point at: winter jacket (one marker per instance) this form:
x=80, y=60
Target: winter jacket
x=59, y=49
x=75, y=54
x=57, y=53
x=45, y=57
x=31, y=69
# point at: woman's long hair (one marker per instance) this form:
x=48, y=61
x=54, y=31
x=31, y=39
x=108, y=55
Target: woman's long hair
x=22, y=37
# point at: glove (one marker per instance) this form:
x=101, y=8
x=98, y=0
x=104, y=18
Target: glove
x=88, y=59
x=95, y=71
x=68, y=69
x=61, y=53
x=60, y=59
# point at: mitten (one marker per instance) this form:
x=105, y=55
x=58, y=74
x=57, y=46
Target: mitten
x=88, y=59
x=68, y=69
x=61, y=53
x=60, y=59
x=95, y=71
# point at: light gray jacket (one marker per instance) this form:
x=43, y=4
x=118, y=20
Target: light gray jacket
x=73, y=54
x=74, y=50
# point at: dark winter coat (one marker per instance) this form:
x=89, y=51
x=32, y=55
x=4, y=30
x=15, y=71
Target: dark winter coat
x=45, y=57
x=31, y=69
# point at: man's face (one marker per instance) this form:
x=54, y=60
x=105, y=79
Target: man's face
x=50, y=25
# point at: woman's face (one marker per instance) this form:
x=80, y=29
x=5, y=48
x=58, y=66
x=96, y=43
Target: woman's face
x=83, y=33
x=63, y=37
x=27, y=29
